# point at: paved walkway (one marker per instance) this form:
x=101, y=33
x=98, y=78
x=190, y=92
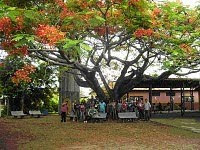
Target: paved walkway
x=175, y=114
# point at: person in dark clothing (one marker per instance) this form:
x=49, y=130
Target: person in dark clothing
x=160, y=107
x=77, y=111
x=140, y=107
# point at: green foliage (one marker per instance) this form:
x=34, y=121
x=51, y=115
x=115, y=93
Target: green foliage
x=22, y=39
x=69, y=44
x=51, y=104
x=4, y=111
x=96, y=21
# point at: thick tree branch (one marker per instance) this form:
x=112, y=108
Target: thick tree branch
x=104, y=81
x=81, y=82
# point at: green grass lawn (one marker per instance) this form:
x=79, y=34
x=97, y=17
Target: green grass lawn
x=190, y=124
x=49, y=133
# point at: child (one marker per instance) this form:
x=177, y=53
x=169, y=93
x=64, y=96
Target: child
x=64, y=109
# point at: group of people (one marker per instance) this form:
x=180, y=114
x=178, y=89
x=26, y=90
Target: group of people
x=141, y=108
x=85, y=110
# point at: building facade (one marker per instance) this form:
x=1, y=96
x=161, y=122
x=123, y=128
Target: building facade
x=166, y=96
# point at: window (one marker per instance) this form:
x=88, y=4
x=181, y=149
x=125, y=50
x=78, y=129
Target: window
x=136, y=98
x=170, y=93
x=155, y=93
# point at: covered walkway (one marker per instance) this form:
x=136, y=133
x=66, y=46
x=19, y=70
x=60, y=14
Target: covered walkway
x=174, y=85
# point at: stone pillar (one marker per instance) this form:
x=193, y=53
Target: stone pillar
x=182, y=100
x=150, y=94
x=192, y=98
x=171, y=100
x=68, y=89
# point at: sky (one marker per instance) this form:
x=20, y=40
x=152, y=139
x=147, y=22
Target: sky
x=189, y=3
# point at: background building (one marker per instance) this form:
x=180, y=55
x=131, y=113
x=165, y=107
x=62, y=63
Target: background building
x=162, y=96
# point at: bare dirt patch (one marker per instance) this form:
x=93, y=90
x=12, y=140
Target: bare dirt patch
x=10, y=136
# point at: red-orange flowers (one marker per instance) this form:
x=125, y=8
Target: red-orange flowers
x=6, y=25
x=23, y=74
x=20, y=22
x=65, y=12
x=23, y=51
x=61, y=4
x=8, y=44
x=156, y=12
x=49, y=34
x=143, y=32
x=186, y=48
x=102, y=30
x=133, y=2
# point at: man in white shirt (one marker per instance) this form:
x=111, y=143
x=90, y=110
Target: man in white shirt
x=147, y=107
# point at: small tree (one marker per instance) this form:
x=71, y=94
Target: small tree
x=95, y=37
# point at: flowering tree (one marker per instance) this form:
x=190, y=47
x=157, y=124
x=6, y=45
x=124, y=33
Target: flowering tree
x=26, y=87
x=97, y=36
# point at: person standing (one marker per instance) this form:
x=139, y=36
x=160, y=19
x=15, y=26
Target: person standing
x=102, y=107
x=140, y=107
x=124, y=106
x=77, y=111
x=147, y=107
x=64, y=110
x=82, y=112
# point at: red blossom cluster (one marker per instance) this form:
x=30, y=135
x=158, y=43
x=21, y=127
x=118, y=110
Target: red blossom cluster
x=61, y=4
x=8, y=44
x=6, y=26
x=49, y=34
x=23, y=74
x=133, y=2
x=102, y=30
x=65, y=12
x=20, y=23
x=186, y=48
x=23, y=51
x=83, y=4
x=191, y=20
x=143, y=32
x=156, y=12
x=100, y=3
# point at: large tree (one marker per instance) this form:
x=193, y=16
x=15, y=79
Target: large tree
x=94, y=37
